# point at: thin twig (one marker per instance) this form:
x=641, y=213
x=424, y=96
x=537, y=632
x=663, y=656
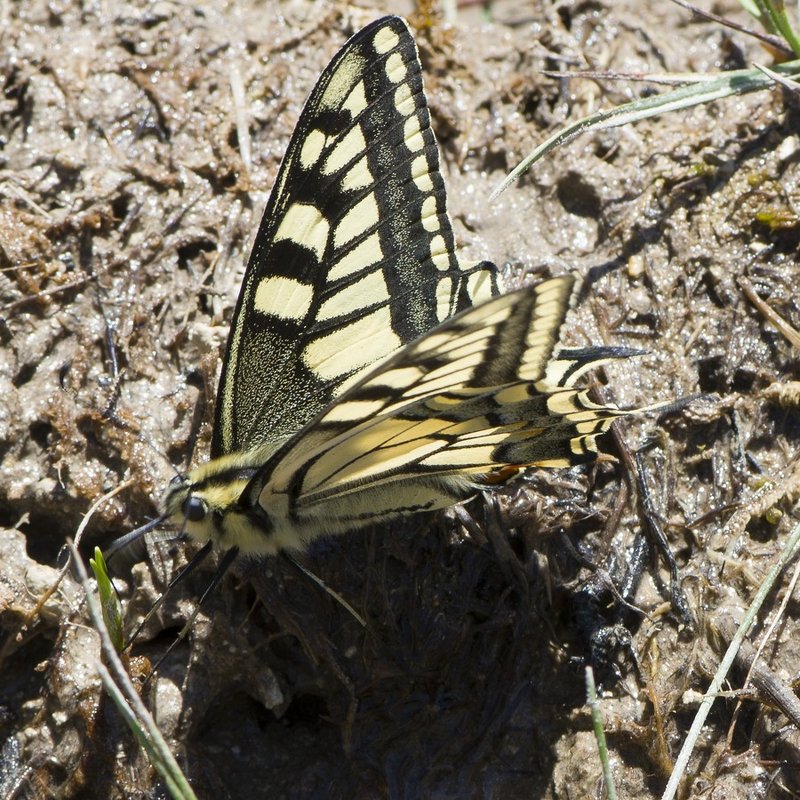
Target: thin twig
x=44, y=293
x=772, y=41
x=240, y=110
x=787, y=554
x=15, y=637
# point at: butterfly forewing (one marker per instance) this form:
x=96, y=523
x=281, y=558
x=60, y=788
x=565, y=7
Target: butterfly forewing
x=355, y=255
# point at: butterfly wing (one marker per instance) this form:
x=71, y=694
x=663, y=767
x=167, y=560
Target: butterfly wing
x=483, y=394
x=354, y=257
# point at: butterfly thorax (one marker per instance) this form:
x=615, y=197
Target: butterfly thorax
x=207, y=504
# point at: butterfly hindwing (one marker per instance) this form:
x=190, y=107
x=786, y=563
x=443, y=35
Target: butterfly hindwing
x=479, y=396
x=355, y=254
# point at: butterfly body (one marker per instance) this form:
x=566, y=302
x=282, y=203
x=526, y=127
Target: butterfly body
x=369, y=373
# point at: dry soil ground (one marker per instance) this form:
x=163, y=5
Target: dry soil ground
x=128, y=200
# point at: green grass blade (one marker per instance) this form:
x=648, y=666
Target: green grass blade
x=751, y=7
x=109, y=602
x=600, y=734
x=123, y=693
x=729, y=84
x=775, y=12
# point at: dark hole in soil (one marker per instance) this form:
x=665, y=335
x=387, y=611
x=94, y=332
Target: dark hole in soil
x=577, y=196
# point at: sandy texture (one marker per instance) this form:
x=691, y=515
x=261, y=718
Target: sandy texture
x=129, y=195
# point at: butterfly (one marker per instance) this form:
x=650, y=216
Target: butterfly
x=369, y=373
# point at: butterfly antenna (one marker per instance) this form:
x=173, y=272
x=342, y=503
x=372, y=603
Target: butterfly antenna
x=332, y=592
x=224, y=565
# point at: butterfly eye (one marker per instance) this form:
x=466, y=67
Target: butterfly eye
x=194, y=509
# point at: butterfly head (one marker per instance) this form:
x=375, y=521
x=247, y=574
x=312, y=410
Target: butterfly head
x=207, y=503
x=209, y=510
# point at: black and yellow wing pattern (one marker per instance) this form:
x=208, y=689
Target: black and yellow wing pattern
x=369, y=373
x=355, y=255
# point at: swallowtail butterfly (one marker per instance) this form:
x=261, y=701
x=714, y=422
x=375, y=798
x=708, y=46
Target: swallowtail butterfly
x=369, y=373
